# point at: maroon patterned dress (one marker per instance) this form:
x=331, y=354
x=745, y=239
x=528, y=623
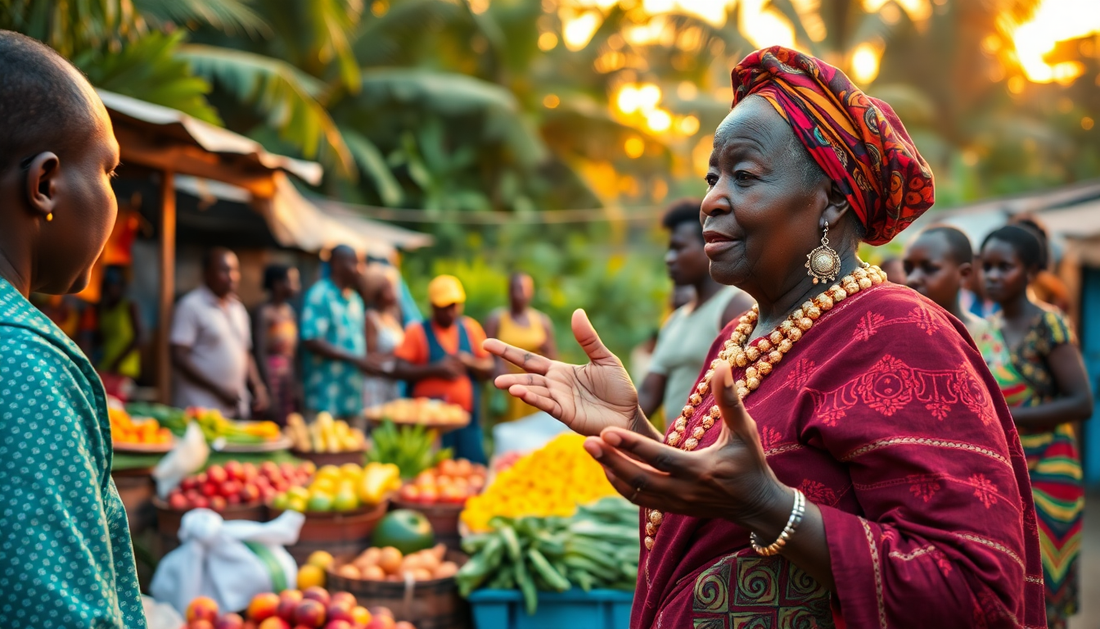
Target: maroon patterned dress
x=882, y=414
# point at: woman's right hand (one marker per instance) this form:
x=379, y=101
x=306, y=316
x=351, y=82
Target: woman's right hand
x=586, y=398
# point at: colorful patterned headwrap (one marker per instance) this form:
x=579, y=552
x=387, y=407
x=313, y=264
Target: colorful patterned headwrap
x=856, y=139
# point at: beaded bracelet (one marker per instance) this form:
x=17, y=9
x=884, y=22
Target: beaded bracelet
x=797, y=512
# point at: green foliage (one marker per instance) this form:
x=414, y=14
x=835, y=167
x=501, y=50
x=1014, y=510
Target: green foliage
x=149, y=68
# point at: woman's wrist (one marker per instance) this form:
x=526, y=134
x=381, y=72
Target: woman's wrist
x=768, y=514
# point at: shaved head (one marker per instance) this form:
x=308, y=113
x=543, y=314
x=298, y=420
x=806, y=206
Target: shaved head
x=45, y=103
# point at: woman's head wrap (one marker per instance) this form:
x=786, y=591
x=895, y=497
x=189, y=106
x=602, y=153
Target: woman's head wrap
x=857, y=140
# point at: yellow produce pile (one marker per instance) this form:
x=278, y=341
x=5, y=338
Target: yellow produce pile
x=324, y=434
x=550, y=481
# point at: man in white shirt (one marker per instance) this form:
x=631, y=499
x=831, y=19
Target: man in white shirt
x=211, y=343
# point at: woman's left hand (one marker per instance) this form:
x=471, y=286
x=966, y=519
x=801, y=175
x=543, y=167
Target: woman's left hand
x=730, y=479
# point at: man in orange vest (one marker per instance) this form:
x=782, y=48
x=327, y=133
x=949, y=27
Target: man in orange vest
x=443, y=358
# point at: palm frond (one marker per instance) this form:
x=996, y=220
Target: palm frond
x=372, y=163
x=393, y=37
x=148, y=69
x=285, y=96
x=230, y=16
x=71, y=26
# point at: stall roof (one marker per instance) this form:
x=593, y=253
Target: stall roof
x=167, y=139
x=1071, y=211
x=310, y=224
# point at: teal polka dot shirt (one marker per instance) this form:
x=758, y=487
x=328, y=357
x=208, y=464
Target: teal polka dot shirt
x=65, y=553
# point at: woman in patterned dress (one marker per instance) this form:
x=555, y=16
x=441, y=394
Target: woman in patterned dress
x=65, y=553
x=842, y=461
x=1038, y=366
x=276, y=340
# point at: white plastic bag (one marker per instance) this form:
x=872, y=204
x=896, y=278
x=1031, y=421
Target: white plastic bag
x=187, y=457
x=214, y=560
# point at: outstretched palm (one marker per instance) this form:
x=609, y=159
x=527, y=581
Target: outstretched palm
x=586, y=398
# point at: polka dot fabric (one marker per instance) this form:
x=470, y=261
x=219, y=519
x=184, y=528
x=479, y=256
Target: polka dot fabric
x=65, y=553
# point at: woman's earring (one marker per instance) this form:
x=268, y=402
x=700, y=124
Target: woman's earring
x=49, y=217
x=824, y=262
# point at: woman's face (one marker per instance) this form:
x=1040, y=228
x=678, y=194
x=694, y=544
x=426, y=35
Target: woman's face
x=387, y=294
x=1004, y=274
x=762, y=217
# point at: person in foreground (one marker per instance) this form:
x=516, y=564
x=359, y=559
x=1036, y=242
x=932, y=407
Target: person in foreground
x=1038, y=366
x=842, y=462
x=938, y=264
x=65, y=554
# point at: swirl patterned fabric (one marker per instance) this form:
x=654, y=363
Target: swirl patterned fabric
x=857, y=140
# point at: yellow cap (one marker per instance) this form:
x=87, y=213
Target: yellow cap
x=446, y=290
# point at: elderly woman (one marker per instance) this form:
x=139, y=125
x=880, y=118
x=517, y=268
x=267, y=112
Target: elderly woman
x=843, y=461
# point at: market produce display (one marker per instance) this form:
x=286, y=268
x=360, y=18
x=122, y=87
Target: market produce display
x=419, y=411
x=324, y=434
x=127, y=430
x=313, y=607
x=596, y=548
x=406, y=530
x=550, y=481
x=410, y=448
x=450, y=482
x=341, y=489
x=235, y=483
x=390, y=564
x=213, y=424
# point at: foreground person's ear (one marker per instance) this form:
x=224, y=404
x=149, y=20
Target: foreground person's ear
x=42, y=172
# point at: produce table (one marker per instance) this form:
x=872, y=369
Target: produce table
x=127, y=461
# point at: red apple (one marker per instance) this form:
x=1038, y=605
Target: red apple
x=209, y=489
x=310, y=613
x=340, y=611
x=235, y=470
x=379, y=623
x=202, y=608
x=344, y=597
x=217, y=503
x=294, y=595
x=216, y=474
x=263, y=606
x=177, y=501
x=339, y=624
x=230, y=488
x=267, y=494
x=201, y=502
x=287, y=469
x=285, y=609
x=230, y=621
x=274, y=623
x=410, y=493
x=267, y=467
x=318, y=594
x=249, y=471
x=428, y=494
x=261, y=481
x=249, y=493
x=200, y=624
x=188, y=483
x=233, y=500
x=200, y=479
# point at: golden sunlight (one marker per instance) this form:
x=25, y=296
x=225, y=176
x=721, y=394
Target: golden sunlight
x=865, y=63
x=1054, y=21
x=577, y=32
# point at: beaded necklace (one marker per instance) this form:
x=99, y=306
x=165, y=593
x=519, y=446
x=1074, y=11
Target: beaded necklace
x=758, y=360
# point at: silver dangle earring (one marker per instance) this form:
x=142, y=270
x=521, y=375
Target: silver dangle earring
x=824, y=262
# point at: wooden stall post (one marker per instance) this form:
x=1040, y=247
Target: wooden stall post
x=167, y=284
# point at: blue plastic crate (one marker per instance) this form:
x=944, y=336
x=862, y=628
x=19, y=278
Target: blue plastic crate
x=573, y=609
